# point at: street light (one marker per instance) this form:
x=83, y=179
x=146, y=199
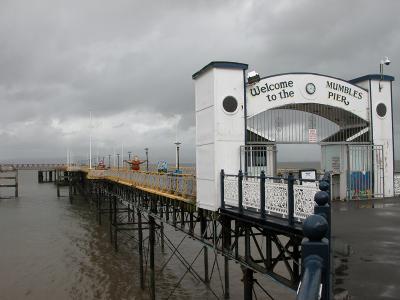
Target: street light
x=147, y=158
x=109, y=161
x=118, y=160
x=386, y=62
x=253, y=77
x=177, y=154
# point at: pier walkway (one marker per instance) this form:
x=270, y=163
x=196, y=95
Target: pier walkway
x=259, y=223
x=182, y=187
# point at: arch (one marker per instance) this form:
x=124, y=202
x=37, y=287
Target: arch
x=306, y=88
x=307, y=108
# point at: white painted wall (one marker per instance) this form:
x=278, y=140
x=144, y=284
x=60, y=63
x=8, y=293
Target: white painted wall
x=219, y=134
x=382, y=131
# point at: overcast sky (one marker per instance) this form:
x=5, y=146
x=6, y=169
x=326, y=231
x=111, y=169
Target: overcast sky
x=130, y=64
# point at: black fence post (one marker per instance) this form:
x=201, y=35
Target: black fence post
x=290, y=180
x=222, y=176
x=240, y=190
x=325, y=184
x=315, y=256
x=323, y=209
x=262, y=194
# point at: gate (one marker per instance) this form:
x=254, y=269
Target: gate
x=365, y=177
x=256, y=158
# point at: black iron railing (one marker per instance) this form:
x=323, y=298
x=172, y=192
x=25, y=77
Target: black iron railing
x=285, y=197
x=316, y=250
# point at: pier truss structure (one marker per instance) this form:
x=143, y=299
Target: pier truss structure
x=249, y=229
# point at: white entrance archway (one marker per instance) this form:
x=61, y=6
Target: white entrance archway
x=293, y=108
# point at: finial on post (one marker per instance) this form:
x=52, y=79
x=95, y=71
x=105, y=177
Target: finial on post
x=315, y=227
x=321, y=198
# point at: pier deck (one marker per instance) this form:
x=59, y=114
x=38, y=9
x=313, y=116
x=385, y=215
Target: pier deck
x=265, y=242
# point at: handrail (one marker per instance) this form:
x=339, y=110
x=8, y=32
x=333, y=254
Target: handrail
x=316, y=252
x=182, y=185
x=310, y=286
x=271, y=177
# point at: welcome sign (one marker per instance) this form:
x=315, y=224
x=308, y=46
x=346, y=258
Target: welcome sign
x=276, y=91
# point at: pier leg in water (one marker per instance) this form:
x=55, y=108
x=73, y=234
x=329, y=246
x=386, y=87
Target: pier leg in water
x=58, y=185
x=110, y=216
x=152, y=270
x=227, y=245
x=99, y=206
x=16, y=184
x=248, y=280
x=70, y=187
x=115, y=224
x=140, y=241
x=161, y=223
x=203, y=230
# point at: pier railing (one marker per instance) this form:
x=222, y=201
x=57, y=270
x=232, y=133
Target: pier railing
x=316, y=279
x=183, y=185
x=283, y=197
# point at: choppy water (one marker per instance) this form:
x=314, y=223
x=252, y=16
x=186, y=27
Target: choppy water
x=50, y=249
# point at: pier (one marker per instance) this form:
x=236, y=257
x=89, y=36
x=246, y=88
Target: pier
x=9, y=179
x=237, y=204
x=263, y=236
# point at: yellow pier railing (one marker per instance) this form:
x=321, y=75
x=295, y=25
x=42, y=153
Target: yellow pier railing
x=175, y=186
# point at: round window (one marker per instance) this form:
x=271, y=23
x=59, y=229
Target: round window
x=381, y=110
x=230, y=104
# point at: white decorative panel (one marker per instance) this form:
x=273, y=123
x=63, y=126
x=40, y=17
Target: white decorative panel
x=231, y=191
x=304, y=200
x=276, y=198
x=251, y=194
x=397, y=184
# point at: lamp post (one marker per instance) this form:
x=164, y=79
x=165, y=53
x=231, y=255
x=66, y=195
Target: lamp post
x=177, y=154
x=129, y=157
x=386, y=62
x=147, y=158
x=109, y=161
x=118, y=160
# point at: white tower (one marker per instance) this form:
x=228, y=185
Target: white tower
x=220, y=127
x=381, y=104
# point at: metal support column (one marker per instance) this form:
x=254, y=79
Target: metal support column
x=110, y=216
x=161, y=222
x=58, y=183
x=152, y=270
x=227, y=244
x=140, y=241
x=248, y=280
x=203, y=230
x=115, y=223
x=70, y=187
x=16, y=183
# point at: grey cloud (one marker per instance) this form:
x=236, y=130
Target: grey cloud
x=62, y=59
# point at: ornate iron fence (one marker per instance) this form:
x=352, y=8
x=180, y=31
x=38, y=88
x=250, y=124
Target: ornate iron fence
x=284, y=197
